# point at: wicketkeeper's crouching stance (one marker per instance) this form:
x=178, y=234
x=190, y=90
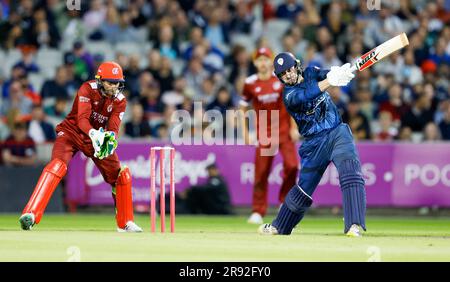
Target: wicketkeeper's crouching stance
x=99, y=104
x=326, y=138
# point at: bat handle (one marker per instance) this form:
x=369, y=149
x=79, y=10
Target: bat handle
x=353, y=68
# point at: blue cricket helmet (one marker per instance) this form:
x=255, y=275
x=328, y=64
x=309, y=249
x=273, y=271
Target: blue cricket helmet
x=285, y=61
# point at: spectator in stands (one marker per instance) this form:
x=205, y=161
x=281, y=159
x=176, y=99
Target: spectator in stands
x=444, y=125
x=39, y=129
x=241, y=65
x=431, y=133
x=215, y=30
x=154, y=62
x=162, y=131
x=145, y=80
x=242, y=19
x=327, y=58
x=4, y=131
x=405, y=134
x=96, y=15
x=357, y=121
x=27, y=60
x=137, y=126
x=45, y=32
x=57, y=87
x=387, y=130
x=419, y=115
x=83, y=61
x=288, y=10
x=395, y=104
x=195, y=74
x=110, y=28
x=165, y=75
x=57, y=111
x=19, y=149
x=152, y=104
x=17, y=72
x=166, y=43
x=132, y=73
x=17, y=100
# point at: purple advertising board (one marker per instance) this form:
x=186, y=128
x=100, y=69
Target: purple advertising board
x=397, y=174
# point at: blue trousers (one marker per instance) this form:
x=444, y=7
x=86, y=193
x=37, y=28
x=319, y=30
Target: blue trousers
x=317, y=152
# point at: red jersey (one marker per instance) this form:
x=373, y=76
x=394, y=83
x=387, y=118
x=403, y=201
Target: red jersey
x=92, y=110
x=267, y=95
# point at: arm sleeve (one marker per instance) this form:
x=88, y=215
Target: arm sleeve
x=84, y=109
x=246, y=95
x=116, y=117
x=297, y=95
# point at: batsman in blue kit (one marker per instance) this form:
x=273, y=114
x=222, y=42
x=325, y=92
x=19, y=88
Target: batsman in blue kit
x=326, y=139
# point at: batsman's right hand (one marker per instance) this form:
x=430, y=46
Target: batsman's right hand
x=340, y=76
x=97, y=138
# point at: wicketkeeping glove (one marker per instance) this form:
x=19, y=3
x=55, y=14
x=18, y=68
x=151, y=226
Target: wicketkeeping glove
x=108, y=146
x=97, y=138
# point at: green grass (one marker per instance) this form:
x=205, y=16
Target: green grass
x=203, y=238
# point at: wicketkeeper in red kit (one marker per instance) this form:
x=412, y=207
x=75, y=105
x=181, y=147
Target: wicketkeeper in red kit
x=90, y=127
x=264, y=91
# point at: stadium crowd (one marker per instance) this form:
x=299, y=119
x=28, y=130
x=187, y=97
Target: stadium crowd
x=175, y=53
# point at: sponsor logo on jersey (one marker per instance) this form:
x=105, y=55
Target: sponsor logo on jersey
x=99, y=117
x=109, y=109
x=83, y=99
x=268, y=98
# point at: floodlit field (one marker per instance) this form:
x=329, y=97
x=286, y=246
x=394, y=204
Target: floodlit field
x=200, y=238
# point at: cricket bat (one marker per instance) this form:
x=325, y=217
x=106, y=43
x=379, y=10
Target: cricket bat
x=381, y=51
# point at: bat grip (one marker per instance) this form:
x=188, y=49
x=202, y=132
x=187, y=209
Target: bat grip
x=353, y=68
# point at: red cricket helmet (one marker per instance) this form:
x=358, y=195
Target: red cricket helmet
x=110, y=71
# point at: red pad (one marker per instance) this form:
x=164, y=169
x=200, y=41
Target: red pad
x=46, y=185
x=124, y=200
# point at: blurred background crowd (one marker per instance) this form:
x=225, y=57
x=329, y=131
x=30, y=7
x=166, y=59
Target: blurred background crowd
x=175, y=53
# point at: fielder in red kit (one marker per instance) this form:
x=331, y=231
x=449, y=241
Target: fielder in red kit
x=97, y=112
x=264, y=91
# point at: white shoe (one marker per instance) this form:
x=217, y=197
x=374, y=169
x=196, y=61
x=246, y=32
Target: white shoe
x=354, y=231
x=267, y=229
x=255, y=218
x=130, y=227
x=27, y=221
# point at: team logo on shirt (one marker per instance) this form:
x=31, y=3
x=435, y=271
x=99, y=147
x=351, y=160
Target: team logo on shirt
x=258, y=89
x=276, y=85
x=109, y=109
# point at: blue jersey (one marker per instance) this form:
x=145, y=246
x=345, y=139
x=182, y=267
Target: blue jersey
x=312, y=109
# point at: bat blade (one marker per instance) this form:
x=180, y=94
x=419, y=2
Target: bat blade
x=381, y=51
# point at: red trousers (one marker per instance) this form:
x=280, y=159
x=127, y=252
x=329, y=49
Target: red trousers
x=263, y=165
x=68, y=143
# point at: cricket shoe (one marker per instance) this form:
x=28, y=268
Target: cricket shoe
x=267, y=229
x=130, y=227
x=27, y=221
x=354, y=231
x=255, y=218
